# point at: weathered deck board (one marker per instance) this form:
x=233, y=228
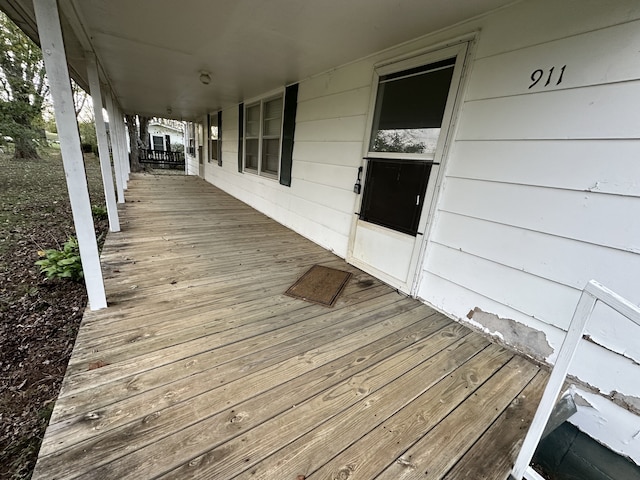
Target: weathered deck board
x=206, y=370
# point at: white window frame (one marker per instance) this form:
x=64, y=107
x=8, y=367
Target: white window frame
x=212, y=120
x=261, y=137
x=399, y=65
x=153, y=143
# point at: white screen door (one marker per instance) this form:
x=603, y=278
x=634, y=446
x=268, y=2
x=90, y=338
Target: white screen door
x=409, y=123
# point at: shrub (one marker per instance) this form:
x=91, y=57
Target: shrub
x=99, y=212
x=63, y=263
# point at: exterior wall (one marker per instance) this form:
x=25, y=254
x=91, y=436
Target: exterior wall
x=177, y=137
x=190, y=160
x=540, y=195
x=539, y=192
x=327, y=152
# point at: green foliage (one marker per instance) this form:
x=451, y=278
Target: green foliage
x=99, y=212
x=393, y=141
x=63, y=263
x=88, y=136
x=22, y=89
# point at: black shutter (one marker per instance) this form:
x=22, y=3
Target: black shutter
x=240, y=134
x=167, y=140
x=288, y=133
x=220, y=138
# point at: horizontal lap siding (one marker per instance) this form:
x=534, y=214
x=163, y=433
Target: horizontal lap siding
x=330, y=124
x=542, y=185
x=580, y=165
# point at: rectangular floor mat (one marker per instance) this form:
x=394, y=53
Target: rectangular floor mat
x=321, y=285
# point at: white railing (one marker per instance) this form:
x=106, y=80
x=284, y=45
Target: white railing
x=592, y=293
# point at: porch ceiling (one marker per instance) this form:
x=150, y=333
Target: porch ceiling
x=151, y=51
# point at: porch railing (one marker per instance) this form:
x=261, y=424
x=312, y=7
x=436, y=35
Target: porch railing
x=592, y=293
x=162, y=158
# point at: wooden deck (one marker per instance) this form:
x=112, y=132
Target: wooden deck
x=202, y=368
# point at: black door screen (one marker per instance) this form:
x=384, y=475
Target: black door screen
x=394, y=193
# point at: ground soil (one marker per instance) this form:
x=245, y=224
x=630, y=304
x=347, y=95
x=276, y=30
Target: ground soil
x=39, y=318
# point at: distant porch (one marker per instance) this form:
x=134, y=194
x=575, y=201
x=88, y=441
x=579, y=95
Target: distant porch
x=162, y=158
x=202, y=368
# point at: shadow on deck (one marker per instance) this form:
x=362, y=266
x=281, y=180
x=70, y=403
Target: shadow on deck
x=202, y=368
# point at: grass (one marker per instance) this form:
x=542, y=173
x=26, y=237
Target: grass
x=38, y=317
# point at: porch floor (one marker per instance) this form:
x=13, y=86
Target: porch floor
x=202, y=368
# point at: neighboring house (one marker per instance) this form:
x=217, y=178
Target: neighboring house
x=490, y=167
x=163, y=135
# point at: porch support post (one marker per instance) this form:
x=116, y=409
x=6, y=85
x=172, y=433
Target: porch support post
x=103, y=146
x=125, y=143
x=55, y=62
x=115, y=146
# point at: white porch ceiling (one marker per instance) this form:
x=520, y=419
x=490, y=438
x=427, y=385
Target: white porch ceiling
x=151, y=51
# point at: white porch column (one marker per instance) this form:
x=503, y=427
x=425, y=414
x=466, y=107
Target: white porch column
x=56, y=67
x=116, y=146
x=103, y=145
x=125, y=143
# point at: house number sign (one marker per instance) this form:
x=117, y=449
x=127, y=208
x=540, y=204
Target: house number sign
x=539, y=74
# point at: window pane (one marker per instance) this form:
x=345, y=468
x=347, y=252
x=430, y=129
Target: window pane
x=273, y=108
x=251, y=154
x=272, y=117
x=272, y=127
x=409, y=109
x=158, y=143
x=213, y=149
x=253, y=121
x=213, y=126
x=394, y=193
x=270, y=155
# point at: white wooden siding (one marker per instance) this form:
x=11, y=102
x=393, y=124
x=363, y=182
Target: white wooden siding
x=581, y=165
x=541, y=188
x=344, y=154
x=587, y=216
x=540, y=192
x=536, y=22
x=609, y=55
x=599, y=112
x=330, y=125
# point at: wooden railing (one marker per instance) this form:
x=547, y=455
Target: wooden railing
x=162, y=158
x=592, y=293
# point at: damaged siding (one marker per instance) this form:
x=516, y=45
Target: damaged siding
x=540, y=191
x=541, y=194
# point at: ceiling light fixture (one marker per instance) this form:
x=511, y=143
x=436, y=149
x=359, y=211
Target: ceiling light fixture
x=205, y=77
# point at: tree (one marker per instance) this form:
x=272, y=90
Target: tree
x=397, y=141
x=22, y=88
x=138, y=129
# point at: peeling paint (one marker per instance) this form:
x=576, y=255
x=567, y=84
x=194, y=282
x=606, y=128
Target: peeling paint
x=629, y=402
x=590, y=339
x=516, y=335
x=581, y=401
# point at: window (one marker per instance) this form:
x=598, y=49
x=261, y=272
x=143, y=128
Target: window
x=262, y=137
x=213, y=133
x=409, y=110
x=407, y=119
x=158, y=142
x=394, y=193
